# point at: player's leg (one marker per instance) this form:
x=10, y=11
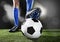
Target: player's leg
x=15, y=11
x=29, y=4
x=32, y=13
x=22, y=8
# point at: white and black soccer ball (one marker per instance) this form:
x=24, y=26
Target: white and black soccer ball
x=32, y=28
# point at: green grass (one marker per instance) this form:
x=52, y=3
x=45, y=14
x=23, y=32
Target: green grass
x=47, y=36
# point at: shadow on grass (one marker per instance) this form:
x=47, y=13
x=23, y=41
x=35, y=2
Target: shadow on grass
x=48, y=39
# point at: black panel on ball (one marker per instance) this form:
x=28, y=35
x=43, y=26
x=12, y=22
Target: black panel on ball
x=30, y=30
x=35, y=20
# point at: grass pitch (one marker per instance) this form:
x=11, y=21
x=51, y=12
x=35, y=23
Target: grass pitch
x=47, y=36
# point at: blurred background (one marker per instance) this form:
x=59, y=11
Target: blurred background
x=50, y=18
x=50, y=13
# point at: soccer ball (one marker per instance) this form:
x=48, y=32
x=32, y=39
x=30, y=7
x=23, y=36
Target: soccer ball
x=32, y=28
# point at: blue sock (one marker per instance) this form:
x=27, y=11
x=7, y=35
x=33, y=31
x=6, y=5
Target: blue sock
x=16, y=16
x=29, y=4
